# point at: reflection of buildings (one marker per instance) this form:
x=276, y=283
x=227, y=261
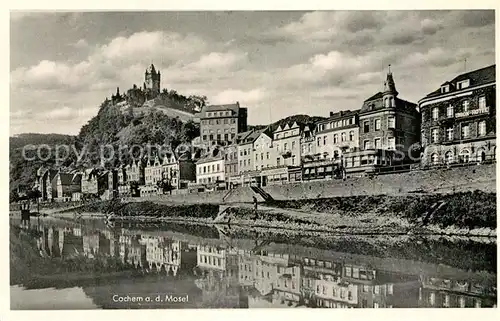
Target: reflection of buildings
x=218, y=270
x=448, y=293
x=241, y=273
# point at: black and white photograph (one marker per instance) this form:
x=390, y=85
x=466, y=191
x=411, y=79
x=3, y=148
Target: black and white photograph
x=230, y=159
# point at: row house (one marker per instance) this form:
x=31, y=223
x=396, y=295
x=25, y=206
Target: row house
x=323, y=148
x=219, y=124
x=167, y=173
x=90, y=182
x=210, y=171
x=44, y=178
x=231, y=168
x=388, y=131
x=459, y=119
x=246, y=167
x=63, y=185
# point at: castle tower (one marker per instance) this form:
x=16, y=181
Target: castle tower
x=152, y=81
x=390, y=93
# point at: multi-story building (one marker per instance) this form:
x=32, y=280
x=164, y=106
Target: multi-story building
x=264, y=154
x=64, y=185
x=307, y=143
x=219, y=124
x=45, y=177
x=287, y=144
x=231, y=164
x=459, y=119
x=333, y=137
x=90, y=181
x=389, y=131
x=246, y=168
x=210, y=171
x=285, y=156
x=135, y=172
x=178, y=171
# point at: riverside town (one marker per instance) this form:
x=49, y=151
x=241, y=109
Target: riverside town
x=452, y=126
x=305, y=159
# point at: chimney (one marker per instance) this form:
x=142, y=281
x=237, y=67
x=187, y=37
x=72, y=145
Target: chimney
x=331, y=113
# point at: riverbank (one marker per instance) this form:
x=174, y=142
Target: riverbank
x=463, y=213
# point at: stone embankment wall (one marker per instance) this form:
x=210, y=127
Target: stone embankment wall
x=481, y=177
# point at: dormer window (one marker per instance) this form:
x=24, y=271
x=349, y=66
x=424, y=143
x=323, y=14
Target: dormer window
x=445, y=89
x=463, y=84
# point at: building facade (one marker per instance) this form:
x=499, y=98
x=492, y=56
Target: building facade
x=388, y=131
x=287, y=145
x=219, y=124
x=210, y=171
x=324, y=150
x=459, y=119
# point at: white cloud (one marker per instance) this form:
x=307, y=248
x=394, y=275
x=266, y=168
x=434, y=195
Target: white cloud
x=219, y=59
x=82, y=43
x=244, y=97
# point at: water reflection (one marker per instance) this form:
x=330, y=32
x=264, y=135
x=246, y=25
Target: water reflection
x=217, y=270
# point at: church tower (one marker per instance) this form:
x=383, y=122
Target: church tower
x=152, y=81
x=390, y=93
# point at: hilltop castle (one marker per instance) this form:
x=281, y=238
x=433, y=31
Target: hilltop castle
x=137, y=96
x=152, y=80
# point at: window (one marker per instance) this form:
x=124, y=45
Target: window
x=391, y=143
x=465, y=105
x=324, y=140
x=378, y=143
x=461, y=301
x=335, y=139
x=285, y=147
x=293, y=145
x=390, y=288
x=319, y=141
x=448, y=157
x=435, y=113
x=278, y=161
x=432, y=298
x=465, y=131
x=445, y=89
x=293, y=159
x=391, y=122
x=482, y=102
x=343, y=137
x=267, y=155
x=377, y=124
x=366, y=126
x=449, y=111
x=434, y=135
x=481, y=128
x=449, y=133
x=366, y=144
x=351, y=135
x=463, y=84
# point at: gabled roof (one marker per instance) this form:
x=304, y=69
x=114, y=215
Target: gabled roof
x=66, y=178
x=235, y=108
x=252, y=137
x=477, y=77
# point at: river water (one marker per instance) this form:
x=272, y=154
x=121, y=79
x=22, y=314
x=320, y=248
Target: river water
x=63, y=264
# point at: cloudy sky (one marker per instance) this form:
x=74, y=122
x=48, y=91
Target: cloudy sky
x=63, y=65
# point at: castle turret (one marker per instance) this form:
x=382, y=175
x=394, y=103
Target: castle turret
x=390, y=93
x=152, y=81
